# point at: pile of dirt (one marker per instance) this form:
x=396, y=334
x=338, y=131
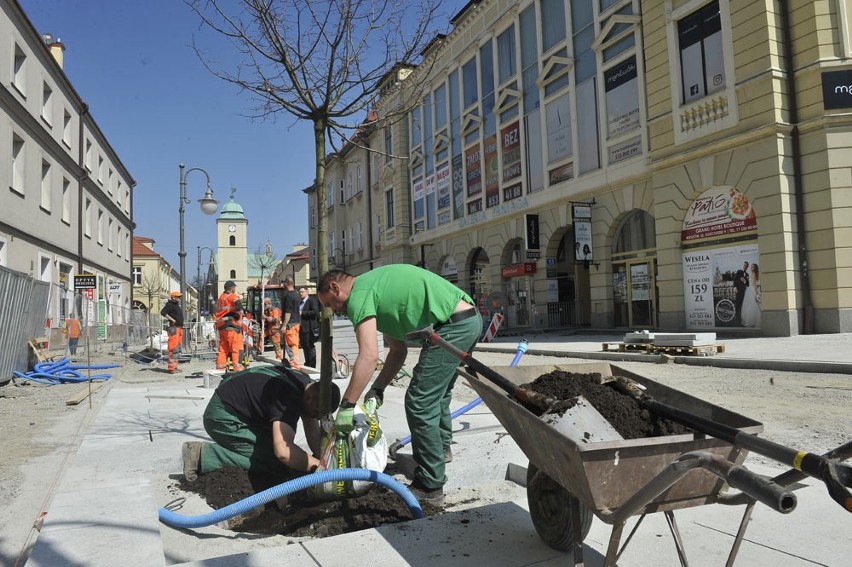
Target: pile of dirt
x=622, y=411
x=299, y=516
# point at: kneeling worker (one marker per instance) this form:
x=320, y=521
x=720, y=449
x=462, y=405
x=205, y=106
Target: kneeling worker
x=252, y=417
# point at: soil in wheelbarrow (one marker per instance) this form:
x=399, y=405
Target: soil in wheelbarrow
x=299, y=516
x=622, y=411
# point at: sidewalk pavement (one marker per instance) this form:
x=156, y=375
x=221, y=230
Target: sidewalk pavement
x=104, y=508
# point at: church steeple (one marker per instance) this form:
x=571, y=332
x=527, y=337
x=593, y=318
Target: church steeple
x=232, y=231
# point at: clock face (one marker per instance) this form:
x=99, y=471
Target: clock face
x=232, y=228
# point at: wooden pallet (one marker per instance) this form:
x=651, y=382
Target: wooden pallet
x=650, y=348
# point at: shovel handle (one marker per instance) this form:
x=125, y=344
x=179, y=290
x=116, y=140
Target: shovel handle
x=837, y=477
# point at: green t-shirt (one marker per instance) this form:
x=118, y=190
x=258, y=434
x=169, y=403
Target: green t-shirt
x=402, y=298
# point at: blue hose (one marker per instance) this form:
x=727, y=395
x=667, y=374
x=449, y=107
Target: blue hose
x=180, y=521
x=522, y=348
x=62, y=371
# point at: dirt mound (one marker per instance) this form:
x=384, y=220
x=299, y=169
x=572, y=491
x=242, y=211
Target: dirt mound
x=621, y=410
x=299, y=516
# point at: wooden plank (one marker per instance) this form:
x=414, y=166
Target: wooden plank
x=37, y=350
x=83, y=394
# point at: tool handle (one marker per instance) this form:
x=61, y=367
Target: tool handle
x=776, y=497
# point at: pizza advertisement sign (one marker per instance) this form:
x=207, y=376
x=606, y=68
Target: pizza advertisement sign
x=719, y=212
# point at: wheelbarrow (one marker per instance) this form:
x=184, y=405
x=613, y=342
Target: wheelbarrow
x=569, y=482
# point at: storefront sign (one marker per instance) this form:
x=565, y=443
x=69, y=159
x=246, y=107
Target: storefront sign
x=626, y=150
x=449, y=268
x=718, y=212
x=472, y=167
x=511, y=146
x=85, y=281
x=531, y=234
x=622, y=98
x=474, y=207
x=458, y=187
x=442, y=177
x=512, y=192
x=516, y=270
x=837, y=89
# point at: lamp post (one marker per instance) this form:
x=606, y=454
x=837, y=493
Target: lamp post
x=202, y=294
x=209, y=205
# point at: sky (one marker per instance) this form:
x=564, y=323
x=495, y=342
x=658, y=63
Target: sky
x=133, y=63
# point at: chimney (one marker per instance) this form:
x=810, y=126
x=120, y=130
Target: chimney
x=56, y=48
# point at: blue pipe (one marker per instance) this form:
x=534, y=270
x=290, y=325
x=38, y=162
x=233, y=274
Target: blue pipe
x=522, y=348
x=180, y=521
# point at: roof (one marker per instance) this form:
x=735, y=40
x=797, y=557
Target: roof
x=143, y=247
x=232, y=210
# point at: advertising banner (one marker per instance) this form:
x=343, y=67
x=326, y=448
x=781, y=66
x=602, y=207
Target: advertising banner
x=492, y=172
x=582, y=215
x=622, y=98
x=716, y=213
x=472, y=166
x=722, y=287
x=458, y=187
x=442, y=177
x=511, y=136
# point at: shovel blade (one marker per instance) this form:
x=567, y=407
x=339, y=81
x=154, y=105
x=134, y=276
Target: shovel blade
x=582, y=423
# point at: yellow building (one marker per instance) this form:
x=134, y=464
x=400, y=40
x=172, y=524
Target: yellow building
x=618, y=164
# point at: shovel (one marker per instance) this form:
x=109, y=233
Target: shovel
x=577, y=419
x=837, y=477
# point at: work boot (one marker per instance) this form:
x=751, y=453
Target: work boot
x=434, y=496
x=448, y=455
x=191, y=455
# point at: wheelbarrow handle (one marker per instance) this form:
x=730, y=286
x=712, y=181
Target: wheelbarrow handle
x=837, y=477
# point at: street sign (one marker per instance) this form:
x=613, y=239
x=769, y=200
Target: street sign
x=85, y=281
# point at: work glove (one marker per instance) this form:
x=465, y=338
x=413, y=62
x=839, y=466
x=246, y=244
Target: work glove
x=343, y=423
x=377, y=394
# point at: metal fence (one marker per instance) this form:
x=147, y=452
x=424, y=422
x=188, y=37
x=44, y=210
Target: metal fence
x=23, y=317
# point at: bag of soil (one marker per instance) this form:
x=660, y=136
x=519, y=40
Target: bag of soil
x=365, y=447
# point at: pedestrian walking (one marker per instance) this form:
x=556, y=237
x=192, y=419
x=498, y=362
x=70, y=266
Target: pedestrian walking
x=229, y=310
x=71, y=331
x=173, y=312
x=396, y=300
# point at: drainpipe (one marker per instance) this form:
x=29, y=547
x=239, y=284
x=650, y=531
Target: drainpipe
x=81, y=158
x=369, y=190
x=801, y=233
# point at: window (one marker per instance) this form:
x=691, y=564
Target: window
x=529, y=59
x=358, y=178
x=88, y=218
x=486, y=82
x=349, y=192
x=47, y=103
x=100, y=227
x=232, y=240
x=428, y=154
x=109, y=182
x=233, y=274
x=313, y=216
x=89, y=155
x=66, y=128
x=101, y=170
x=360, y=235
x=388, y=144
x=342, y=194
x=702, y=64
x=416, y=127
x=506, y=65
x=441, y=107
x=66, y=201
x=118, y=240
x=390, y=213
x=18, y=166
x=109, y=235
x=455, y=114
x=19, y=71
x=469, y=80
x=3, y=247
x=45, y=185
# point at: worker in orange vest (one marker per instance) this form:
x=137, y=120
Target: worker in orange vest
x=272, y=325
x=229, y=312
x=292, y=322
x=71, y=331
x=173, y=313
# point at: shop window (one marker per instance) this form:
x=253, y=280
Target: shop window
x=702, y=62
x=636, y=232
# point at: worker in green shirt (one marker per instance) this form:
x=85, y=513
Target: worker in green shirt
x=396, y=300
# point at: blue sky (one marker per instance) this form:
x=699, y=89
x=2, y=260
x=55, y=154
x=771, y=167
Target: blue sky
x=133, y=63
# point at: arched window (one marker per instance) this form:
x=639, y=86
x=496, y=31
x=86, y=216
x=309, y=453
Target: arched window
x=233, y=272
x=636, y=232
x=232, y=240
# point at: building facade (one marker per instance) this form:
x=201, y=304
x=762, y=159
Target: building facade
x=153, y=279
x=68, y=206
x=663, y=164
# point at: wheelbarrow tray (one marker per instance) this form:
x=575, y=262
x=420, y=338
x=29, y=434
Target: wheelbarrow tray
x=603, y=475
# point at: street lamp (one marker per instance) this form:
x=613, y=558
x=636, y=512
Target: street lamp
x=202, y=295
x=209, y=205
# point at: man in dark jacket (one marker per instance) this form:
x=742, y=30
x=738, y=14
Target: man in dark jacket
x=309, y=330
x=252, y=417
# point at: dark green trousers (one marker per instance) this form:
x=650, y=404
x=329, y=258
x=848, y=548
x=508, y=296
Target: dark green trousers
x=427, y=400
x=239, y=444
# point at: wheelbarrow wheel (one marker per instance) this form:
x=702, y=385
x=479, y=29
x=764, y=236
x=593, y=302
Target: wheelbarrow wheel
x=551, y=509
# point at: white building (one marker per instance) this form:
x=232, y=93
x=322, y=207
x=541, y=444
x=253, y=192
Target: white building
x=67, y=197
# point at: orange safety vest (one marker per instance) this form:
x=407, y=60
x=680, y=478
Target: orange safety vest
x=272, y=328
x=72, y=328
x=226, y=312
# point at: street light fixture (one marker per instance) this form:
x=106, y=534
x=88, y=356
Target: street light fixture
x=209, y=205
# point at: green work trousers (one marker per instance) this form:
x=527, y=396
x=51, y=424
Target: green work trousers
x=239, y=444
x=427, y=401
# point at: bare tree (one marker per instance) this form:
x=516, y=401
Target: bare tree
x=151, y=287
x=265, y=261
x=320, y=61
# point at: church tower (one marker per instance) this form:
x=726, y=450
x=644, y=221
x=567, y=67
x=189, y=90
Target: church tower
x=232, y=234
